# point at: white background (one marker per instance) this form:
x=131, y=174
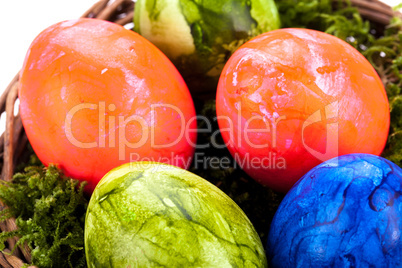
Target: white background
x=21, y=21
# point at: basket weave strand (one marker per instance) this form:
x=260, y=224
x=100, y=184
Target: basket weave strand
x=374, y=11
x=13, y=141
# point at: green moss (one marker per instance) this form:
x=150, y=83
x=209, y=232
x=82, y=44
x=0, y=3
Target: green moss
x=50, y=211
x=343, y=21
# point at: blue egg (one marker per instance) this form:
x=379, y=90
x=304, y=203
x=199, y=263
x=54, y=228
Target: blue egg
x=346, y=212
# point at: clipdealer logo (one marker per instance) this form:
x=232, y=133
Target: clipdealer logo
x=115, y=135
x=329, y=116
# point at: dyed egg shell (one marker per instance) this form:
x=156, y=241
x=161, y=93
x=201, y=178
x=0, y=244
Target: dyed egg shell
x=346, y=212
x=148, y=214
x=290, y=99
x=95, y=95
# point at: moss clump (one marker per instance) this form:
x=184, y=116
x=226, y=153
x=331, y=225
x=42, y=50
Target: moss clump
x=50, y=212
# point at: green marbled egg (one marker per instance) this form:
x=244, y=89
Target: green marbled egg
x=148, y=214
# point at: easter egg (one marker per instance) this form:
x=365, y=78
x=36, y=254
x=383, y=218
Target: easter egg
x=346, y=212
x=94, y=95
x=147, y=214
x=290, y=99
x=199, y=36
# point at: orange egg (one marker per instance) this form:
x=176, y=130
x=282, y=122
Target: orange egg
x=94, y=95
x=290, y=99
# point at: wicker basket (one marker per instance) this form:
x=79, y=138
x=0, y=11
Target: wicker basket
x=13, y=142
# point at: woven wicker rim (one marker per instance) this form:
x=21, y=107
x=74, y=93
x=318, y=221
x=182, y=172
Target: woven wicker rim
x=13, y=141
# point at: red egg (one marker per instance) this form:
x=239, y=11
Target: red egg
x=95, y=95
x=290, y=99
